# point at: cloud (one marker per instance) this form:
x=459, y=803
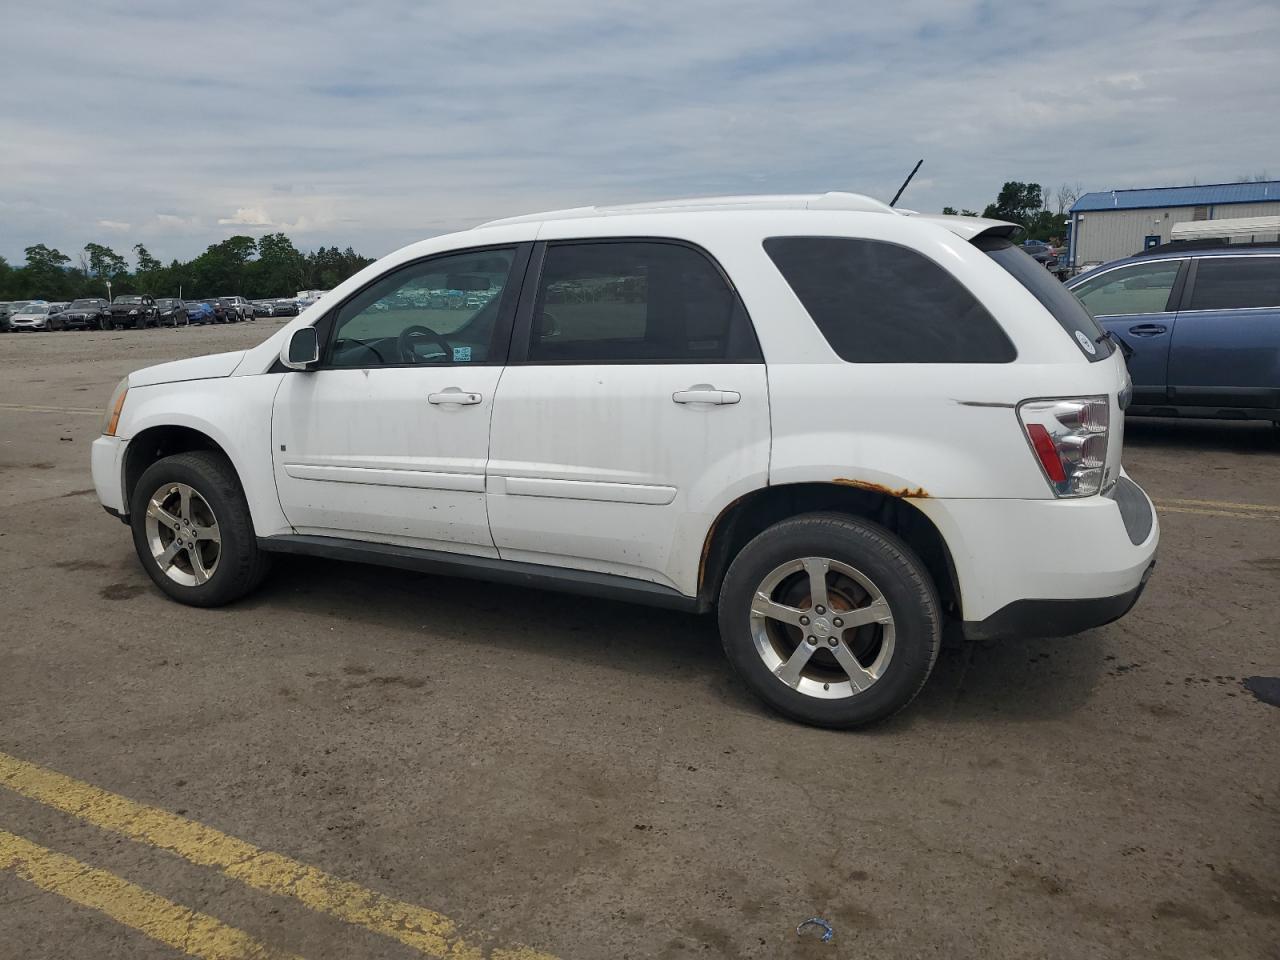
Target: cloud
x=116, y=225
x=247, y=217
x=376, y=131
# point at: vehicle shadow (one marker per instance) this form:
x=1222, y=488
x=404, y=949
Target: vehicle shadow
x=1225, y=436
x=1015, y=680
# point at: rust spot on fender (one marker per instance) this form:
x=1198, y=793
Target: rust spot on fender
x=918, y=493
x=706, y=542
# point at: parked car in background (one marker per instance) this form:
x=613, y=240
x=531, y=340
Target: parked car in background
x=7, y=310
x=285, y=308
x=89, y=313
x=236, y=308
x=199, y=311
x=1204, y=325
x=33, y=316
x=172, y=312
x=133, y=311
x=669, y=437
x=263, y=308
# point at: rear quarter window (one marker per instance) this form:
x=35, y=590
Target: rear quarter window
x=1062, y=304
x=878, y=302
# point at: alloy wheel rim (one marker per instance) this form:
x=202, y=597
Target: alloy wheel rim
x=822, y=627
x=183, y=534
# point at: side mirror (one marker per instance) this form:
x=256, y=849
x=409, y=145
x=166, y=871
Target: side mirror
x=302, y=349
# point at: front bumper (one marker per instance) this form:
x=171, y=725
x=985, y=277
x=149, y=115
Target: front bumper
x=106, y=459
x=1008, y=554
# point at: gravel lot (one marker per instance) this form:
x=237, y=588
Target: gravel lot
x=586, y=777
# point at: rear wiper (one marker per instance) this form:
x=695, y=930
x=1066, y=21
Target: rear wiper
x=1123, y=347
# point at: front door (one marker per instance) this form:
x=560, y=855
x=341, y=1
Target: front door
x=1133, y=302
x=634, y=408
x=388, y=439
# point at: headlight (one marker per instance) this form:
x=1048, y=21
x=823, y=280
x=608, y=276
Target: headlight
x=132, y=312
x=111, y=419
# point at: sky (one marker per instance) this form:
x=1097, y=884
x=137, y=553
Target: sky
x=373, y=125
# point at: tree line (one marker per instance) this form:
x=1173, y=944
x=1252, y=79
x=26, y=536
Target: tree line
x=256, y=269
x=1028, y=204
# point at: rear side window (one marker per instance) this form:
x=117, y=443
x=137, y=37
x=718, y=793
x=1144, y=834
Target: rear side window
x=878, y=302
x=636, y=301
x=1061, y=303
x=1229, y=283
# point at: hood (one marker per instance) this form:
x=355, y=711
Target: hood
x=193, y=368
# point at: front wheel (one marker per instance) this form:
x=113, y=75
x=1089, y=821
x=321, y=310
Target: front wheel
x=830, y=619
x=192, y=530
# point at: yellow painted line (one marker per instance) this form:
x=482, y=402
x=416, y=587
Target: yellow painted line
x=425, y=930
x=38, y=408
x=194, y=933
x=1220, y=504
x=1233, y=514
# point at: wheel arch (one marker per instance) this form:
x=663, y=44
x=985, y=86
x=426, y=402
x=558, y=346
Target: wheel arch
x=155, y=443
x=752, y=513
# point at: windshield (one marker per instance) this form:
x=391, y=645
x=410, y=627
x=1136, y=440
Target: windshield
x=1053, y=296
x=35, y=308
x=82, y=304
x=128, y=299
x=166, y=302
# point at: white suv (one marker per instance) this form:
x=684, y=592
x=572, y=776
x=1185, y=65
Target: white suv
x=839, y=425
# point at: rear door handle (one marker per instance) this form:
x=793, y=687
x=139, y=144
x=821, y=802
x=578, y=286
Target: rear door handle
x=1148, y=329
x=454, y=395
x=705, y=393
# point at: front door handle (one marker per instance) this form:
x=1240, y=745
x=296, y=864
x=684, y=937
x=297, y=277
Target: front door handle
x=705, y=393
x=1148, y=329
x=454, y=395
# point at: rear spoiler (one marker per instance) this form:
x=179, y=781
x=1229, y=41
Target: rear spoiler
x=970, y=228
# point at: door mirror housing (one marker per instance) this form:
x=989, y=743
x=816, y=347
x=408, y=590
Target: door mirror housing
x=302, y=350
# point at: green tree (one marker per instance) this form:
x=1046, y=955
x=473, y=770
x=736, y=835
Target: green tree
x=146, y=262
x=953, y=212
x=105, y=263
x=1017, y=202
x=45, y=274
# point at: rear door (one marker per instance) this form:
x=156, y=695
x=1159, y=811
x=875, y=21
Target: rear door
x=1138, y=303
x=1226, y=350
x=634, y=407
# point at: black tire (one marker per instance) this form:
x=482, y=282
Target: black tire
x=241, y=566
x=895, y=570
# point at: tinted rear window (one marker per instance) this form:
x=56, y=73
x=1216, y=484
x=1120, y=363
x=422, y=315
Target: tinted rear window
x=1231, y=283
x=1053, y=296
x=878, y=302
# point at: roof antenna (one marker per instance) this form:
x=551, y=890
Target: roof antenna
x=894, y=201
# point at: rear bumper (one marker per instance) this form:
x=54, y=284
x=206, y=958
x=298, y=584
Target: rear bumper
x=1055, y=618
x=1085, y=559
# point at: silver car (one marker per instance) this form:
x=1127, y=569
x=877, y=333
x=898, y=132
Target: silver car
x=34, y=316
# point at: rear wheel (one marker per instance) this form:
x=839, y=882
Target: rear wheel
x=192, y=530
x=831, y=620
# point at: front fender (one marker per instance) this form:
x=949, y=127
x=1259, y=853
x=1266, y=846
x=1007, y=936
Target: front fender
x=235, y=413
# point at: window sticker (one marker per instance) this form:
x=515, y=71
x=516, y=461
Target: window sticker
x=461, y=354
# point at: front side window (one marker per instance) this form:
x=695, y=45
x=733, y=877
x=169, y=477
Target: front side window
x=439, y=311
x=636, y=301
x=1232, y=283
x=1139, y=288
x=878, y=302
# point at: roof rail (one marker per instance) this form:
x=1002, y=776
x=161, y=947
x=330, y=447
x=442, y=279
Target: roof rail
x=1209, y=243
x=785, y=201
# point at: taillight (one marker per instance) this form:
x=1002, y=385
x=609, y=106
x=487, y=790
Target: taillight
x=1069, y=438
